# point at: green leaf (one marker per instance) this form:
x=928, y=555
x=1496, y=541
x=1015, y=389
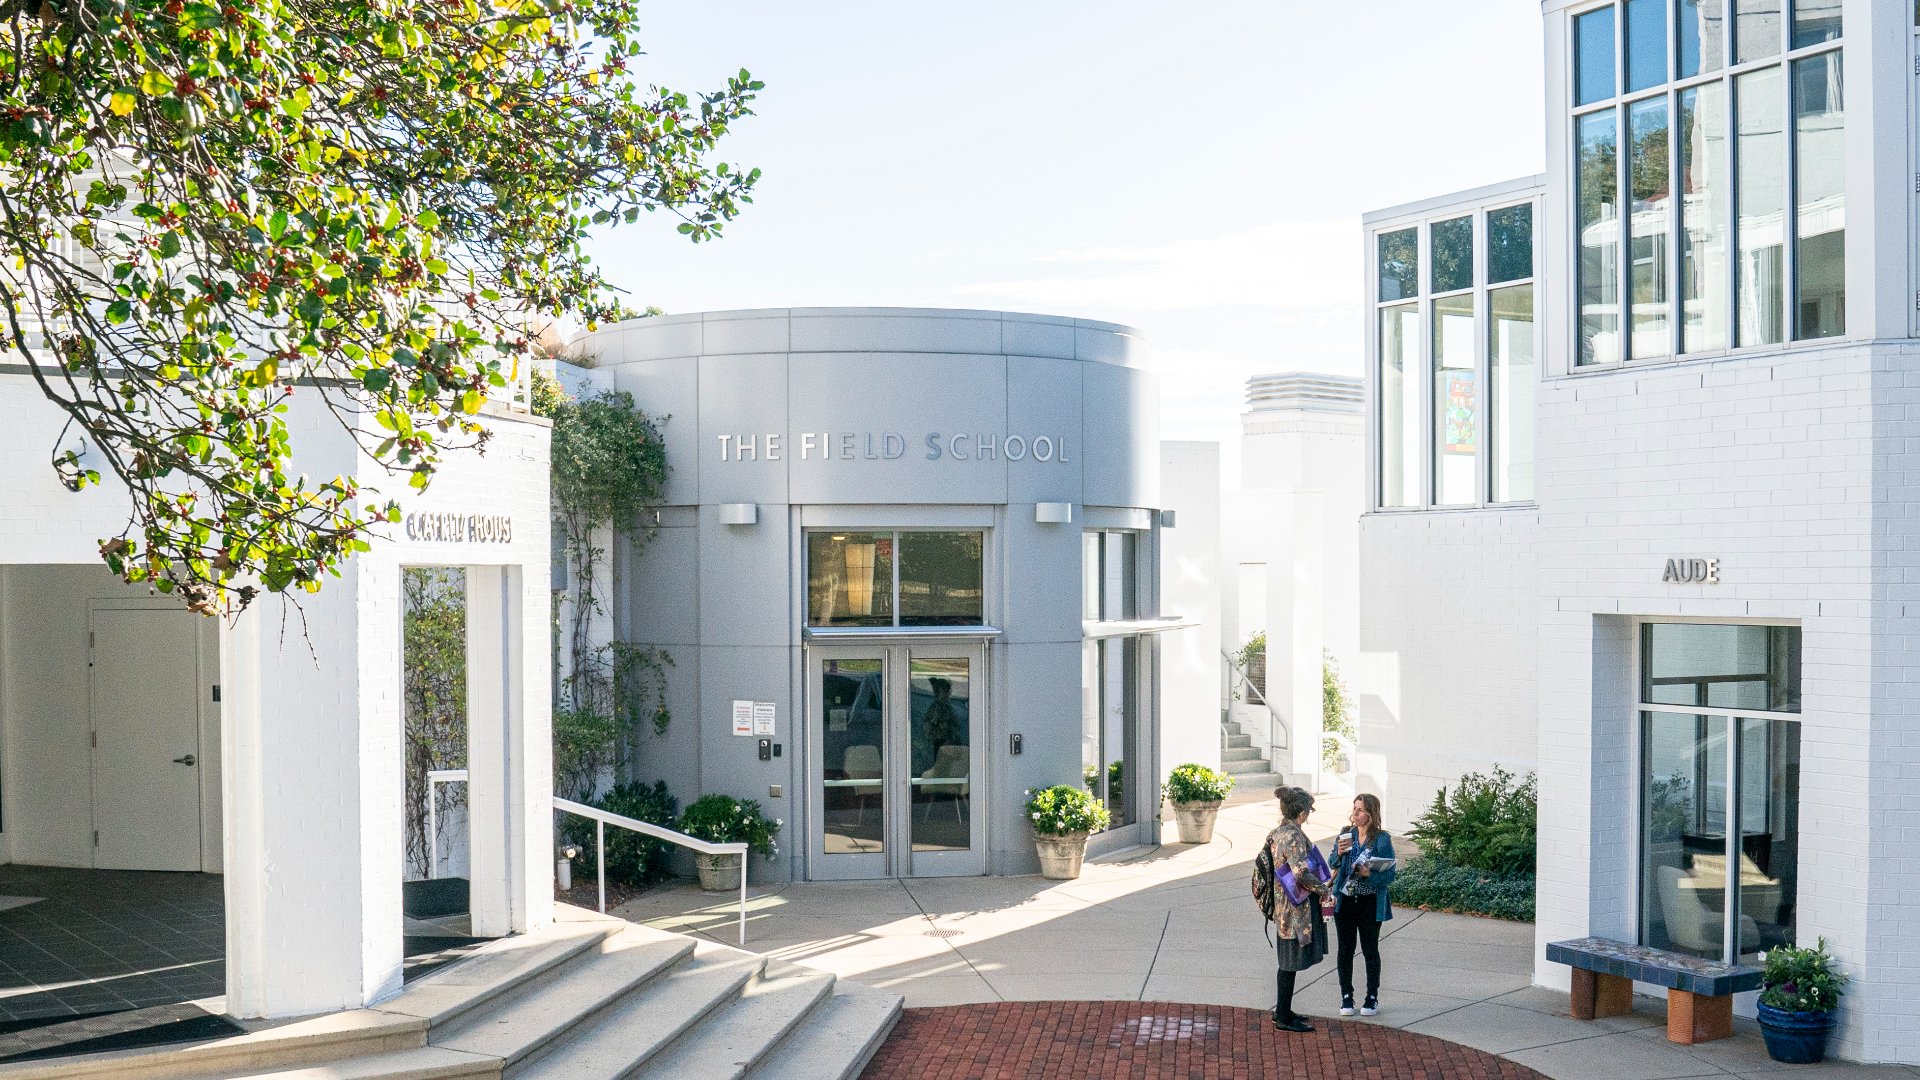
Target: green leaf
x=121, y=103
x=377, y=380
x=277, y=225
x=119, y=311
x=169, y=244
x=154, y=84
x=428, y=219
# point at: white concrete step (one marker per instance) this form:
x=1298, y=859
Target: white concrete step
x=729, y=1040
x=420, y=1063
x=335, y=1037
x=563, y=998
x=496, y=968
x=837, y=1040
x=1251, y=767
x=647, y=1021
x=1229, y=742
x=1240, y=753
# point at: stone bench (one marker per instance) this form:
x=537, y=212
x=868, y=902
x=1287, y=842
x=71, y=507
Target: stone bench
x=1699, y=992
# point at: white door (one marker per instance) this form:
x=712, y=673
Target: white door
x=146, y=739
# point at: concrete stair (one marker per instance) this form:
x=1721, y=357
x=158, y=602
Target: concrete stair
x=1238, y=757
x=591, y=998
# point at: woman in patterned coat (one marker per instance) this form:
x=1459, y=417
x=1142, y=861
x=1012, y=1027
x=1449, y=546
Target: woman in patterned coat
x=1302, y=929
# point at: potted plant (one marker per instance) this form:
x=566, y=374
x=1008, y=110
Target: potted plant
x=723, y=819
x=1196, y=792
x=1062, y=816
x=1798, y=992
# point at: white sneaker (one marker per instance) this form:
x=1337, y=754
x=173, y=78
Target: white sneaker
x=1371, y=1007
x=1346, y=1005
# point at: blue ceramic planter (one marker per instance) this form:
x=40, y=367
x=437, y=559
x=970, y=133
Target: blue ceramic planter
x=1795, y=1038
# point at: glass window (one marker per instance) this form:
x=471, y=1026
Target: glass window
x=849, y=579
x=853, y=703
x=1756, y=29
x=1820, y=187
x=939, y=723
x=1646, y=43
x=1510, y=243
x=1090, y=577
x=1110, y=563
x=1451, y=245
x=1682, y=817
x=1400, y=264
x=1721, y=666
x=1399, y=405
x=942, y=579
x=1702, y=36
x=1760, y=150
x=1704, y=288
x=1456, y=402
x=1815, y=21
x=1512, y=378
x=1599, y=271
x=1593, y=56
x=1769, y=785
x=1109, y=706
x=1650, y=226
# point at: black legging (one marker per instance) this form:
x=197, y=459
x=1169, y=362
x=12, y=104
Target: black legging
x=1283, y=989
x=1356, y=918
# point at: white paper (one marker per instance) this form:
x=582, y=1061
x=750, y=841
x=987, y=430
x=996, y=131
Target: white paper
x=743, y=718
x=763, y=718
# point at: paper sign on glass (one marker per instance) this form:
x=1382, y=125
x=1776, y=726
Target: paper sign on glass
x=743, y=718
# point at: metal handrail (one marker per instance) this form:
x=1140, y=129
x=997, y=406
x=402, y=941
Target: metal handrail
x=1276, y=725
x=602, y=819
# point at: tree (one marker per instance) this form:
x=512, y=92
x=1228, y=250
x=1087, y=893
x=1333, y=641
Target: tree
x=205, y=204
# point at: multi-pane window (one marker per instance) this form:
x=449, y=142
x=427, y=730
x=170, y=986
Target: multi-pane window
x=1455, y=366
x=1719, y=833
x=1709, y=176
x=895, y=579
x=1110, y=698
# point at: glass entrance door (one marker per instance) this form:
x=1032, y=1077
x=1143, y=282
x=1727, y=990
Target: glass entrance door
x=897, y=755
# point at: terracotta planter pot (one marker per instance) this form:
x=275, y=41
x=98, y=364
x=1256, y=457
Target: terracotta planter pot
x=718, y=873
x=1196, y=821
x=1060, y=854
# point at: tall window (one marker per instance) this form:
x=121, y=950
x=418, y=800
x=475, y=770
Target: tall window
x=1733, y=106
x=895, y=579
x=1719, y=787
x=1455, y=371
x=1110, y=672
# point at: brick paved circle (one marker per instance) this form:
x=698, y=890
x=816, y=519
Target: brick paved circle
x=1146, y=1040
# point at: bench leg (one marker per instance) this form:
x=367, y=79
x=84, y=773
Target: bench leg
x=1596, y=995
x=1697, y=1018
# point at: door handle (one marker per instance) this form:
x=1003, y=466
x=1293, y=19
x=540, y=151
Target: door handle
x=188, y=759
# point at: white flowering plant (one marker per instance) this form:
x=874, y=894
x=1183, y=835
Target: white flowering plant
x=723, y=819
x=1801, y=980
x=1064, y=809
x=1191, y=783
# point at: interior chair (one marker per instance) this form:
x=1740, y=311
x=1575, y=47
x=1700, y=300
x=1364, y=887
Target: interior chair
x=1691, y=924
x=862, y=763
x=950, y=762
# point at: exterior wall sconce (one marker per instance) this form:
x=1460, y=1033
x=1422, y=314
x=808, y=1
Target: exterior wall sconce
x=1053, y=513
x=1167, y=519
x=739, y=513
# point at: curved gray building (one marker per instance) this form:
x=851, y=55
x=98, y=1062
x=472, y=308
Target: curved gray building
x=905, y=572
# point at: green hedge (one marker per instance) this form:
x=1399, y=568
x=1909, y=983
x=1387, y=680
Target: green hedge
x=1437, y=884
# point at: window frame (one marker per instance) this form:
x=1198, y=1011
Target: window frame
x=1419, y=365
x=1620, y=104
x=896, y=626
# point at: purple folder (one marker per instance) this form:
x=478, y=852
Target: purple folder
x=1316, y=863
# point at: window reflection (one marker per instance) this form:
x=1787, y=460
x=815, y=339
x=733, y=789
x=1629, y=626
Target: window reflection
x=1815, y=21
x=1599, y=266
x=1510, y=364
x=854, y=577
x=1456, y=402
x=1820, y=186
x=1646, y=43
x=850, y=579
x=1399, y=405
x=1703, y=208
x=1399, y=264
x=1721, y=666
x=1593, y=56
x=1702, y=36
x=853, y=703
x=1510, y=243
x=941, y=581
x=1649, y=227
x=1760, y=149
x=1756, y=29
x=940, y=694
x=1451, y=246
x=1109, y=706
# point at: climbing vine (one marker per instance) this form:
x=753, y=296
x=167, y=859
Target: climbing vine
x=609, y=466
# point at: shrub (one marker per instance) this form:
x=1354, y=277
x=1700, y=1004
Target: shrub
x=1486, y=823
x=723, y=819
x=1063, y=809
x=1336, y=711
x=1433, y=882
x=1192, y=783
x=1801, y=980
x=632, y=858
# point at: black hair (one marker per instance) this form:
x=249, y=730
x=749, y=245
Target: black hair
x=1293, y=801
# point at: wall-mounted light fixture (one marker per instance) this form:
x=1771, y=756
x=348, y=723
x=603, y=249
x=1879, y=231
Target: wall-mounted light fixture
x=739, y=513
x=1167, y=519
x=1053, y=513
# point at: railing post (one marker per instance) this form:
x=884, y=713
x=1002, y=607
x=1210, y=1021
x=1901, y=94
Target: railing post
x=600, y=859
x=743, y=899
x=433, y=828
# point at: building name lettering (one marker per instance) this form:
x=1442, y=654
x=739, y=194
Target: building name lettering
x=891, y=445
x=1692, y=571
x=460, y=528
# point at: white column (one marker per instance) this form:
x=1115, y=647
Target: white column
x=509, y=756
x=1305, y=584
x=312, y=809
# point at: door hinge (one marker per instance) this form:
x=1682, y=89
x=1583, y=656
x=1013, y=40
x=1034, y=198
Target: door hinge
x=96, y=838
x=216, y=691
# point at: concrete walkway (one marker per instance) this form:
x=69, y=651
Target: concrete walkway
x=1177, y=924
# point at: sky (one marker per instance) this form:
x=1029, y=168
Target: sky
x=1197, y=171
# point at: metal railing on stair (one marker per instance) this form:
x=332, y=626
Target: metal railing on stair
x=1278, y=737
x=602, y=818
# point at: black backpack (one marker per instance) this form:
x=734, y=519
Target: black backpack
x=1263, y=880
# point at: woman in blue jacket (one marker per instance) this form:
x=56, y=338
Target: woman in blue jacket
x=1360, y=898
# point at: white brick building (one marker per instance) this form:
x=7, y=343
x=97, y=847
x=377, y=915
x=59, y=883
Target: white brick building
x=1689, y=608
